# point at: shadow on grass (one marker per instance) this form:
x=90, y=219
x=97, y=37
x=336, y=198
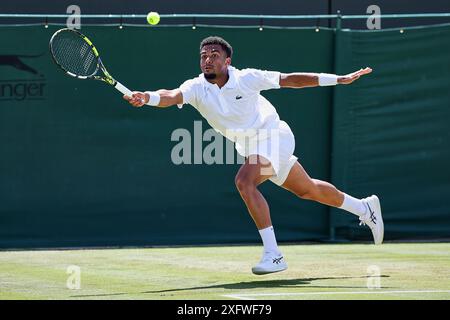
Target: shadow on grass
x=288, y=283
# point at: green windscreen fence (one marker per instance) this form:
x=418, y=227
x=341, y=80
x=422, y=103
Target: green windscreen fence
x=391, y=130
x=80, y=167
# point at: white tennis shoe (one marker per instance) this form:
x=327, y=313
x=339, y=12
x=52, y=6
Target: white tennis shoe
x=373, y=219
x=270, y=263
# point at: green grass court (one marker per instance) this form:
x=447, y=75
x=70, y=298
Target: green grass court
x=339, y=271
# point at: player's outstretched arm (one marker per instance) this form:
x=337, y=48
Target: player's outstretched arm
x=303, y=80
x=167, y=98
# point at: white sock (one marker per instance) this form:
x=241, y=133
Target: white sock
x=269, y=240
x=353, y=205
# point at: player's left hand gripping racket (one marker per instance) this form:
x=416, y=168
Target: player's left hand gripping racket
x=75, y=54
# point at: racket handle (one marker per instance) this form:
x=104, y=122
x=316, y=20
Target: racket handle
x=123, y=89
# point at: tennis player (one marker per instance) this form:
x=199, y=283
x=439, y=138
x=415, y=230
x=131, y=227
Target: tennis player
x=230, y=100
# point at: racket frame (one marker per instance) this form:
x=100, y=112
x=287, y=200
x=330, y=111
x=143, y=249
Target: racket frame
x=106, y=78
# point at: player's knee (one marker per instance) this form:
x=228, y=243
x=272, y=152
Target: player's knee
x=240, y=182
x=243, y=183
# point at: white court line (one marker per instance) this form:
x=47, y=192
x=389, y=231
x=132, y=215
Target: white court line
x=249, y=296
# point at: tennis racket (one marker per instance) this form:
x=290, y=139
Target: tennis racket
x=75, y=54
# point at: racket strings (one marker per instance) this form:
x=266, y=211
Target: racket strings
x=74, y=55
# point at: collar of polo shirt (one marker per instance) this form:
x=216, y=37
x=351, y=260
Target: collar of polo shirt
x=231, y=83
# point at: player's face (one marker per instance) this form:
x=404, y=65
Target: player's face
x=213, y=61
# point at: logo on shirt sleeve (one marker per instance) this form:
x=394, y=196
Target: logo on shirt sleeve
x=238, y=97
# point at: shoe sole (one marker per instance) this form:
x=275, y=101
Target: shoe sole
x=259, y=272
x=378, y=209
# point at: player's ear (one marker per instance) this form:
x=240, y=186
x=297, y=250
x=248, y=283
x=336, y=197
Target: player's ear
x=228, y=61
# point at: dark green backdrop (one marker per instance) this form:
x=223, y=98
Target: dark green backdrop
x=391, y=131
x=79, y=167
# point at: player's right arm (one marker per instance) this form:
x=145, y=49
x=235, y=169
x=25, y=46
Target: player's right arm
x=167, y=98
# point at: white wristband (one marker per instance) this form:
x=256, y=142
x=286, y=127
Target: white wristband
x=326, y=79
x=154, y=98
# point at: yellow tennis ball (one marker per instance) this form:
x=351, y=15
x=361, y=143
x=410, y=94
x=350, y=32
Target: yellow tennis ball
x=153, y=18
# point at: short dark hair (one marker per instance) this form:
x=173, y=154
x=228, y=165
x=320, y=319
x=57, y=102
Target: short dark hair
x=220, y=41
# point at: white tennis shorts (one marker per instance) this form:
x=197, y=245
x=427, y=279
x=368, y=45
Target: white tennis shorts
x=277, y=145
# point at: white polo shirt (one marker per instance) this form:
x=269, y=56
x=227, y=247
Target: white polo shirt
x=238, y=107
x=240, y=113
